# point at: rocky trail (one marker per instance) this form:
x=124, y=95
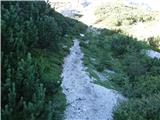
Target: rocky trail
x=86, y=101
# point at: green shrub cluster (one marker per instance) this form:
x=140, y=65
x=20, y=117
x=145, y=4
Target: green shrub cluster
x=146, y=108
x=32, y=57
x=121, y=44
x=136, y=75
x=154, y=42
x=139, y=80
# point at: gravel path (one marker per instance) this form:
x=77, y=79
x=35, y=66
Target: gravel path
x=86, y=101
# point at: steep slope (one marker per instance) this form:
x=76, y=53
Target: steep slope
x=135, y=74
x=35, y=38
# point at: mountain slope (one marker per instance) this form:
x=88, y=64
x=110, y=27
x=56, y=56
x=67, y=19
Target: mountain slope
x=35, y=38
x=86, y=100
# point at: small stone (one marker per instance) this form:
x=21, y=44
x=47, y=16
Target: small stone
x=82, y=35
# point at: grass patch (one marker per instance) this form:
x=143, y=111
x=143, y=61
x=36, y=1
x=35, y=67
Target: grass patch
x=107, y=84
x=107, y=14
x=136, y=75
x=50, y=72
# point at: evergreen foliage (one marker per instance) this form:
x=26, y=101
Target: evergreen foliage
x=136, y=75
x=28, y=89
x=154, y=42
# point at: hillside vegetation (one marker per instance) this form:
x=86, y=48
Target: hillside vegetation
x=134, y=74
x=133, y=20
x=35, y=39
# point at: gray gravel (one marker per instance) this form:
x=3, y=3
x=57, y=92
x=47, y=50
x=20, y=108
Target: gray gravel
x=153, y=54
x=146, y=4
x=85, y=100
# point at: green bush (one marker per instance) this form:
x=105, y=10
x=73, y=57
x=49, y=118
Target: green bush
x=119, y=79
x=135, y=69
x=136, y=75
x=154, y=42
x=120, y=44
x=23, y=91
x=104, y=61
x=139, y=109
x=146, y=86
x=31, y=31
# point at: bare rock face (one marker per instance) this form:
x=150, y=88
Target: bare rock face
x=153, y=54
x=146, y=4
x=86, y=101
